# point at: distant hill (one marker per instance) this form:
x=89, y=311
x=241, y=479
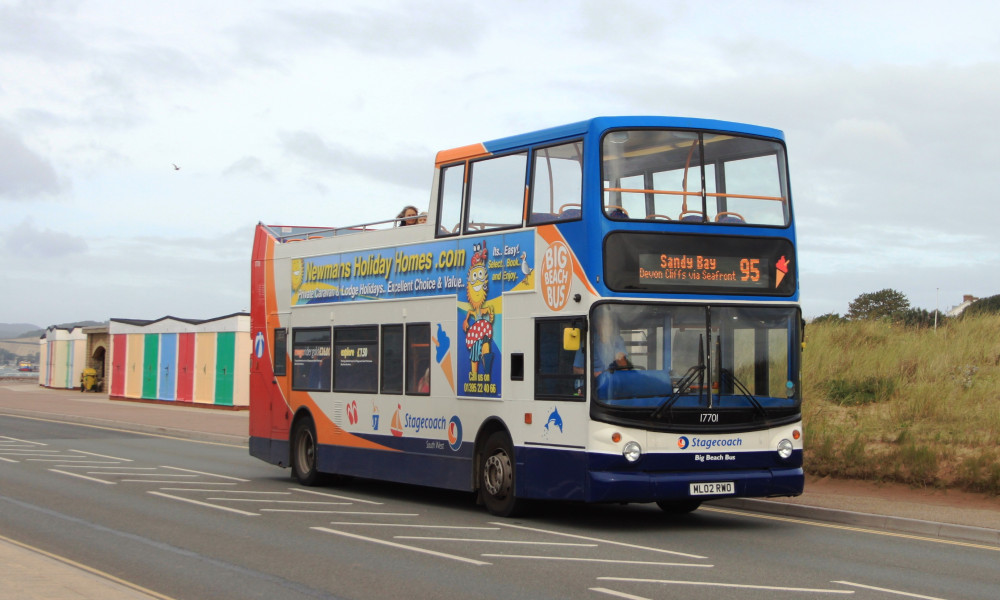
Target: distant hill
x=16, y=330
x=37, y=332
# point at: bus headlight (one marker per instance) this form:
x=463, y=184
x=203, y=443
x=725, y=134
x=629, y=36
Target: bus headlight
x=632, y=451
x=785, y=448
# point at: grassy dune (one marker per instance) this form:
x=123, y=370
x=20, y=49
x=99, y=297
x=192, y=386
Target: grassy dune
x=889, y=403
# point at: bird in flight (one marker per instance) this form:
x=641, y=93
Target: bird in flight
x=176, y=168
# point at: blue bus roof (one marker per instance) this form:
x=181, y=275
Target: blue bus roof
x=601, y=123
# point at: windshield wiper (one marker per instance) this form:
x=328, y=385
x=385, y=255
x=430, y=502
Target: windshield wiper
x=685, y=383
x=742, y=388
x=682, y=386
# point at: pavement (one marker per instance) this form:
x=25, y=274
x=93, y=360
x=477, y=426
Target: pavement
x=32, y=574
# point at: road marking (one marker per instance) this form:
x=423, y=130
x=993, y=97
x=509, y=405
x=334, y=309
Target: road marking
x=359, y=500
x=232, y=492
x=282, y=501
x=182, y=499
x=339, y=512
x=66, y=459
x=179, y=489
x=598, y=540
x=204, y=473
x=887, y=590
x=144, y=474
x=102, y=455
x=401, y=546
x=609, y=561
x=484, y=541
x=8, y=460
x=849, y=528
x=83, y=477
x=727, y=585
x=30, y=452
x=92, y=464
x=467, y=528
x=618, y=594
x=123, y=469
x=20, y=441
x=88, y=569
x=157, y=480
x=120, y=430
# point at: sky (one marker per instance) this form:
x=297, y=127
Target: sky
x=331, y=113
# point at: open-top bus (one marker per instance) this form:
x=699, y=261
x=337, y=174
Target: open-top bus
x=605, y=311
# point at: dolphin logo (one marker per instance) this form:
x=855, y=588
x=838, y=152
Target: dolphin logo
x=554, y=419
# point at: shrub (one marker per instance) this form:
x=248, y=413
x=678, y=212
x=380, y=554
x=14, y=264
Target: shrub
x=849, y=392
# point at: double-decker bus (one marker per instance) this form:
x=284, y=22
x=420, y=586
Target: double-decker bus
x=605, y=311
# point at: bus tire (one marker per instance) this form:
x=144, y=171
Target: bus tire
x=678, y=507
x=496, y=488
x=304, y=448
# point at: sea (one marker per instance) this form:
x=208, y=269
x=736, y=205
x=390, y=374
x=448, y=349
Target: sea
x=11, y=372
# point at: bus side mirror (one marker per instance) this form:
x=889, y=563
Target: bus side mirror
x=571, y=339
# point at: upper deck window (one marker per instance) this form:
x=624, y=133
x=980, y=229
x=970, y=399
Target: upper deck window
x=496, y=193
x=691, y=176
x=557, y=183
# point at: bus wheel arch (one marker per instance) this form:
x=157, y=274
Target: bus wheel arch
x=303, y=449
x=496, y=471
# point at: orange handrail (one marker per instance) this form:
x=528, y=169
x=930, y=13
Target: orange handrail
x=709, y=194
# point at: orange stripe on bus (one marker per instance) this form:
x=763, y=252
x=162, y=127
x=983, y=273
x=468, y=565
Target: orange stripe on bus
x=463, y=153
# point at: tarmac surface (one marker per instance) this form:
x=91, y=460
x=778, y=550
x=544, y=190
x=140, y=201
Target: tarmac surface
x=32, y=574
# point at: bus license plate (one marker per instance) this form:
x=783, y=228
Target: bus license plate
x=713, y=488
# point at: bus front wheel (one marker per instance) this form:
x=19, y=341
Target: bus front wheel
x=497, y=477
x=678, y=507
x=304, y=449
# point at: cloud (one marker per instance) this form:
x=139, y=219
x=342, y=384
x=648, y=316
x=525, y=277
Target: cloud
x=23, y=172
x=25, y=242
x=412, y=171
x=248, y=165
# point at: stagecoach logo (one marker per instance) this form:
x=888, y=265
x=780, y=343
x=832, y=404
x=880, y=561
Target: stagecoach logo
x=352, y=412
x=455, y=433
x=707, y=444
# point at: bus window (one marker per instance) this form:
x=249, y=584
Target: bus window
x=557, y=183
x=556, y=372
x=311, y=359
x=356, y=359
x=392, y=359
x=496, y=192
x=280, y=351
x=450, y=205
x=683, y=176
x=418, y=359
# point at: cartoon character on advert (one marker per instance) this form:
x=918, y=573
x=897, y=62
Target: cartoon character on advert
x=478, y=322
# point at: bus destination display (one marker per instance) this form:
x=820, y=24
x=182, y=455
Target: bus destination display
x=699, y=264
x=699, y=270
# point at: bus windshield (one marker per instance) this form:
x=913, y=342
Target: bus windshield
x=664, y=358
x=690, y=176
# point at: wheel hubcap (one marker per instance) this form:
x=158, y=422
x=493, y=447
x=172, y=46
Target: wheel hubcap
x=496, y=475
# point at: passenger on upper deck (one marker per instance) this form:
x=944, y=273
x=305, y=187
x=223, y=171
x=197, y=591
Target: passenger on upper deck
x=421, y=218
x=407, y=216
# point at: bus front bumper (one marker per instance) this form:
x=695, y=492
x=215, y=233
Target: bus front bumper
x=612, y=486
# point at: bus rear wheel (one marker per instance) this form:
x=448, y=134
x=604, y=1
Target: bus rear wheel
x=304, y=449
x=678, y=507
x=497, y=477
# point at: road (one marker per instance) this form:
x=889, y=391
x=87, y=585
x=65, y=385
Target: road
x=191, y=519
